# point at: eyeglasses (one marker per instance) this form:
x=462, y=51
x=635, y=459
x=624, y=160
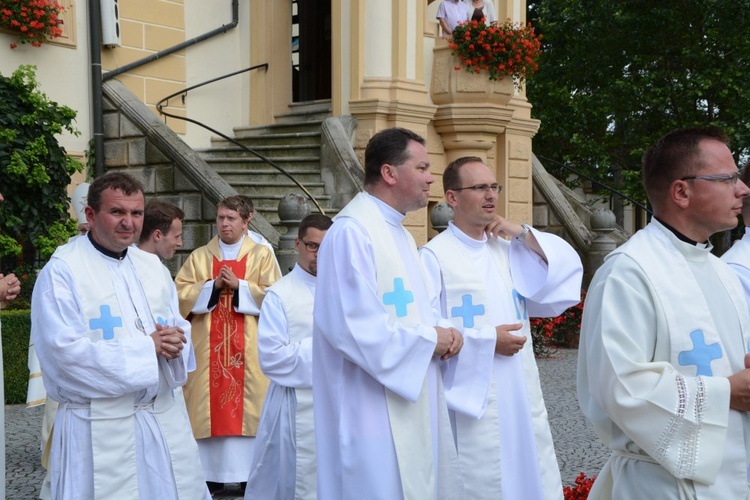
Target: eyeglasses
x=310, y=246
x=729, y=178
x=484, y=188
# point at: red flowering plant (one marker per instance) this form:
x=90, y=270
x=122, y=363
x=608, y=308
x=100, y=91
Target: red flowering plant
x=581, y=490
x=509, y=49
x=35, y=21
x=560, y=331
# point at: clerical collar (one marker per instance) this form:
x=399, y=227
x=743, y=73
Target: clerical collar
x=679, y=235
x=391, y=215
x=108, y=253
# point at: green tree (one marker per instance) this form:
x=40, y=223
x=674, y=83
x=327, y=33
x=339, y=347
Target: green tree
x=616, y=75
x=34, y=169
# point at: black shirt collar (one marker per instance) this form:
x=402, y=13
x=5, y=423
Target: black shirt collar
x=678, y=234
x=108, y=253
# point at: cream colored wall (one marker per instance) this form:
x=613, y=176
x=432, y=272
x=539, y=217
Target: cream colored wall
x=146, y=27
x=224, y=104
x=62, y=72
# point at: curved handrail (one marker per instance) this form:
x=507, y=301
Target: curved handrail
x=598, y=182
x=183, y=93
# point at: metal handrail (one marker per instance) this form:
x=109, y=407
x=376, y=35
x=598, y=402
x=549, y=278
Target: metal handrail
x=165, y=102
x=598, y=182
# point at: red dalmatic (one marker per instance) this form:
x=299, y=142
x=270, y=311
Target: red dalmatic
x=227, y=359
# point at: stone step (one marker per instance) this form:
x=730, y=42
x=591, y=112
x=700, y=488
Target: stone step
x=279, y=187
x=273, y=152
x=307, y=127
x=311, y=138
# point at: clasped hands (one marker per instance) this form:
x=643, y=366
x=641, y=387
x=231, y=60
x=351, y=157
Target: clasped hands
x=168, y=341
x=226, y=279
x=449, y=342
x=10, y=287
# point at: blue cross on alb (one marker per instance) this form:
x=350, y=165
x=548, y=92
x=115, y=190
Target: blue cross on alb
x=701, y=355
x=520, y=302
x=467, y=311
x=106, y=322
x=399, y=297
x=161, y=321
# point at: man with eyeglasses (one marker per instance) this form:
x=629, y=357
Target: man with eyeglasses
x=488, y=283
x=285, y=465
x=738, y=257
x=221, y=288
x=662, y=367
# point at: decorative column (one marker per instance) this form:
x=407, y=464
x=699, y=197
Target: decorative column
x=602, y=223
x=292, y=209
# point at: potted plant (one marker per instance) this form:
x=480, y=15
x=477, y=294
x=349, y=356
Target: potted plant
x=502, y=50
x=35, y=21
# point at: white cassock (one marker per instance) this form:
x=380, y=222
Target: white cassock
x=284, y=463
x=665, y=322
x=738, y=258
x=118, y=432
x=261, y=240
x=381, y=420
x=508, y=452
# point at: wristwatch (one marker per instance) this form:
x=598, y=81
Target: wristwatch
x=524, y=232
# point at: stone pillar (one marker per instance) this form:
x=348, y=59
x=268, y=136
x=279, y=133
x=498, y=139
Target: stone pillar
x=440, y=215
x=292, y=209
x=602, y=223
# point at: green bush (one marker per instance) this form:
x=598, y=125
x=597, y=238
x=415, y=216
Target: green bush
x=16, y=328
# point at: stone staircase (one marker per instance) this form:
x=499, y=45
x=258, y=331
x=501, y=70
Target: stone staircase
x=293, y=142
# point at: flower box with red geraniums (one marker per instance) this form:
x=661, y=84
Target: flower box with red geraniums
x=508, y=49
x=35, y=21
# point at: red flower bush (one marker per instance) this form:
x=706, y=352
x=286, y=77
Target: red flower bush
x=581, y=490
x=560, y=331
x=508, y=49
x=35, y=21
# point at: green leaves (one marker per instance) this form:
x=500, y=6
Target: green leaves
x=34, y=168
x=615, y=76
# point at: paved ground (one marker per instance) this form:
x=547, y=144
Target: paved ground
x=578, y=448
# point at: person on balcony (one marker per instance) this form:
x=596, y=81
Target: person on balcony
x=450, y=14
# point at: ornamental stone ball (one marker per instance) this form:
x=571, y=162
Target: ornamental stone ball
x=440, y=215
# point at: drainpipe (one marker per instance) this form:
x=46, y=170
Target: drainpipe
x=95, y=53
x=97, y=80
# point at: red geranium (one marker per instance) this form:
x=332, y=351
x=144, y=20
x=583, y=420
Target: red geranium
x=36, y=21
x=508, y=49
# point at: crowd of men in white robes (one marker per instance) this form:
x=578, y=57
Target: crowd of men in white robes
x=424, y=382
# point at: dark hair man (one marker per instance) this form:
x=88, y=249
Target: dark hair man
x=109, y=338
x=379, y=398
x=162, y=229
x=662, y=371
x=285, y=466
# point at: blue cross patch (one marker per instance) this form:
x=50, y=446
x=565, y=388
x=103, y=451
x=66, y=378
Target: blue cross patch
x=520, y=302
x=701, y=355
x=399, y=297
x=467, y=311
x=106, y=322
